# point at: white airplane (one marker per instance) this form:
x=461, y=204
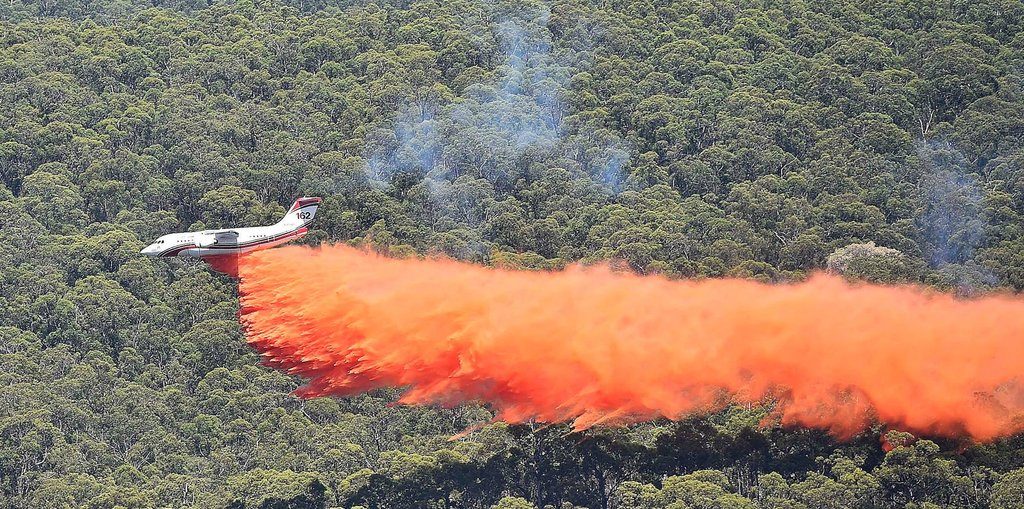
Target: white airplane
x=233, y=241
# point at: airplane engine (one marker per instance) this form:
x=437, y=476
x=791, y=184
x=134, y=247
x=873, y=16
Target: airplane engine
x=205, y=240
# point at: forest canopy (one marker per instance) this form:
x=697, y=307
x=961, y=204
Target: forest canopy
x=879, y=139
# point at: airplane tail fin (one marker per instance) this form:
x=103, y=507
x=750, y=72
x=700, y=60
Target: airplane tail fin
x=302, y=212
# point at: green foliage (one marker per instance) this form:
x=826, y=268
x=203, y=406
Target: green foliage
x=514, y=503
x=1009, y=490
x=880, y=140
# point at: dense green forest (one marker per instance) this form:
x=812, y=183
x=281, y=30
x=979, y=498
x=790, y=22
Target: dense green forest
x=881, y=139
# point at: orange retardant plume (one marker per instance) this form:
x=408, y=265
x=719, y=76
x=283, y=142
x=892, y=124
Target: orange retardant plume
x=592, y=346
x=225, y=264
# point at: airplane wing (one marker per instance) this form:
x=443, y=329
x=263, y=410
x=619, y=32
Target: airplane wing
x=218, y=238
x=225, y=237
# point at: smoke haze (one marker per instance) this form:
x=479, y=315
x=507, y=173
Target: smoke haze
x=591, y=346
x=484, y=132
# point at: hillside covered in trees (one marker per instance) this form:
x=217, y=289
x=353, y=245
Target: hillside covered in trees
x=767, y=139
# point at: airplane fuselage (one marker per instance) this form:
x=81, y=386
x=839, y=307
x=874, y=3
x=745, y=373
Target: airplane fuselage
x=205, y=243
x=233, y=241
